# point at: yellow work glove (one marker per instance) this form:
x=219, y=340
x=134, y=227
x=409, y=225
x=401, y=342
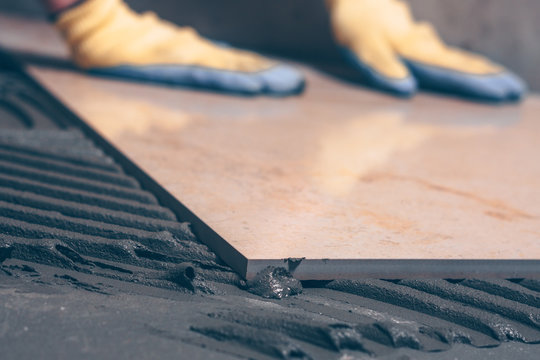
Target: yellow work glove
x=381, y=39
x=107, y=37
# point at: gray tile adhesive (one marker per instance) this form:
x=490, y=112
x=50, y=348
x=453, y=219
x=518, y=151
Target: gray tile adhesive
x=93, y=266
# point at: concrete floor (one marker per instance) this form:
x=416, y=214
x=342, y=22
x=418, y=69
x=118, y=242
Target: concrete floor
x=93, y=264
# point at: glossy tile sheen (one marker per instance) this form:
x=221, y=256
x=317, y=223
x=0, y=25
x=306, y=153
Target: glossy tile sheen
x=338, y=173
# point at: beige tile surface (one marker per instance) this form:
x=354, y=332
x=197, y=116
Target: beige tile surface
x=338, y=173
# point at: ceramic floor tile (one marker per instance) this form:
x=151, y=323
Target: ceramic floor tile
x=338, y=173
x=345, y=178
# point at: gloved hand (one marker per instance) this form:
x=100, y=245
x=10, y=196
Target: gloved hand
x=396, y=54
x=107, y=37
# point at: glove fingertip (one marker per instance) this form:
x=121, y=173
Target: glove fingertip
x=403, y=87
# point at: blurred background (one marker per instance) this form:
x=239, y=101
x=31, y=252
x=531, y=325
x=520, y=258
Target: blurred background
x=506, y=31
